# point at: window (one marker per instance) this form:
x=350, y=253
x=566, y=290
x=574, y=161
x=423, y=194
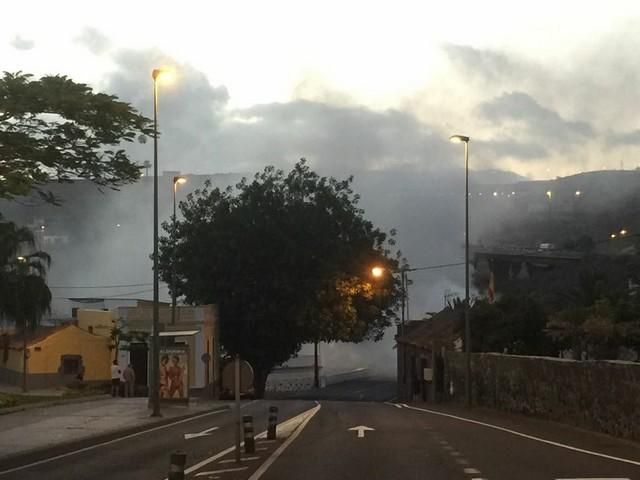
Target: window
x=71, y=364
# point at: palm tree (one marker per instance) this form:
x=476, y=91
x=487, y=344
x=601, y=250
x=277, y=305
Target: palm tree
x=25, y=294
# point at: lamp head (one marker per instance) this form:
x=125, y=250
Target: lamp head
x=164, y=74
x=180, y=180
x=377, y=272
x=459, y=139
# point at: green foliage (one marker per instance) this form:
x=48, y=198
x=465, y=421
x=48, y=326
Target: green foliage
x=598, y=330
x=54, y=129
x=287, y=259
x=25, y=294
x=514, y=323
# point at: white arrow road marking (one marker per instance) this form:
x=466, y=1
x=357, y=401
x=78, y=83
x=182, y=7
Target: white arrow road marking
x=204, y=433
x=213, y=472
x=361, y=429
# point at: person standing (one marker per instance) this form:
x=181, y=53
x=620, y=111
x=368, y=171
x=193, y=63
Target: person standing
x=129, y=381
x=115, y=379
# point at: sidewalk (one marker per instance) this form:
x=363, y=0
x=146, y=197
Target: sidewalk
x=41, y=428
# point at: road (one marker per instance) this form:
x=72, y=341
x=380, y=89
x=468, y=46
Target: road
x=146, y=454
x=413, y=444
x=352, y=432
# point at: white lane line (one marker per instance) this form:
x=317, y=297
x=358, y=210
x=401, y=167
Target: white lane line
x=529, y=437
x=471, y=471
x=110, y=442
x=462, y=461
x=224, y=452
x=393, y=404
x=225, y=470
x=453, y=453
x=243, y=459
x=274, y=456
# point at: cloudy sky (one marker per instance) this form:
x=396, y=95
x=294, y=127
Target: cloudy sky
x=544, y=88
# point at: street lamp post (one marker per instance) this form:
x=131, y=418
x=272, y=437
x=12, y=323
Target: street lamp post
x=467, y=327
x=21, y=261
x=176, y=181
x=154, y=397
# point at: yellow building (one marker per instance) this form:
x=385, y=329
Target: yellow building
x=98, y=322
x=56, y=356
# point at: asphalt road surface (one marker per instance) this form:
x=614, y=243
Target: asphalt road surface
x=357, y=432
x=413, y=444
x=145, y=455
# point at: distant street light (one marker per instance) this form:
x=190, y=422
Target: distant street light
x=156, y=74
x=467, y=327
x=578, y=193
x=612, y=236
x=549, y=194
x=623, y=232
x=180, y=180
x=377, y=272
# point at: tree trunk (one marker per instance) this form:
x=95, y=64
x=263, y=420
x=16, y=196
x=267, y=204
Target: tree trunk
x=316, y=369
x=260, y=380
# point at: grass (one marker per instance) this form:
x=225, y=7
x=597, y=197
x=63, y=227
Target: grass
x=8, y=400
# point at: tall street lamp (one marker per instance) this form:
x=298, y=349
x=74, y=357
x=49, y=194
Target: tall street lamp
x=180, y=180
x=20, y=271
x=467, y=327
x=156, y=74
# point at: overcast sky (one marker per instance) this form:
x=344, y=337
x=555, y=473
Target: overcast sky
x=545, y=88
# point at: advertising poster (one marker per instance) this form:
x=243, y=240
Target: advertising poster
x=174, y=374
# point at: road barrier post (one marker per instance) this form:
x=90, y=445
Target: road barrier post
x=249, y=443
x=176, y=469
x=273, y=422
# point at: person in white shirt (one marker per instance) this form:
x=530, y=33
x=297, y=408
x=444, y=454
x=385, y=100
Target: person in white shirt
x=115, y=379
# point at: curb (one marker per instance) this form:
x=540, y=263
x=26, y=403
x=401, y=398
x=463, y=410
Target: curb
x=39, y=454
x=52, y=403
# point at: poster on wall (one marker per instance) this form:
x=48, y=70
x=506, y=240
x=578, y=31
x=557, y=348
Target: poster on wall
x=174, y=374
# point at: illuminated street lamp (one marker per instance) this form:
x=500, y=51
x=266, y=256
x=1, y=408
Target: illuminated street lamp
x=612, y=236
x=377, y=272
x=162, y=74
x=623, y=232
x=467, y=327
x=180, y=180
x=578, y=193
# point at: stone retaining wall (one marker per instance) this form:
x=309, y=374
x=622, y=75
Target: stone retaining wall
x=598, y=395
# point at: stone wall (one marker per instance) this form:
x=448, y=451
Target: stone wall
x=598, y=395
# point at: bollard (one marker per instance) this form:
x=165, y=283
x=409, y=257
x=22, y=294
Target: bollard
x=273, y=422
x=249, y=443
x=176, y=469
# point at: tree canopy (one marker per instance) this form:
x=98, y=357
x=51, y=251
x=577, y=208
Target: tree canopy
x=287, y=259
x=56, y=130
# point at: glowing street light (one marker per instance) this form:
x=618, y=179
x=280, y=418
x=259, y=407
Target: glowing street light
x=578, y=193
x=377, y=272
x=612, y=236
x=467, y=327
x=549, y=194
x=623, y=232
x=163, y=75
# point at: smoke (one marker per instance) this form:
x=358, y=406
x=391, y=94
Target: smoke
x=523, y=114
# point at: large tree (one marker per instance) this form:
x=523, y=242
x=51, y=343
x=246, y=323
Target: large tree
x=287, y=259
x=56, y=130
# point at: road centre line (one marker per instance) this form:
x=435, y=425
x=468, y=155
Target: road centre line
x=224, y=452
x=529, y=437
x=274, y=456
x=109, y=442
